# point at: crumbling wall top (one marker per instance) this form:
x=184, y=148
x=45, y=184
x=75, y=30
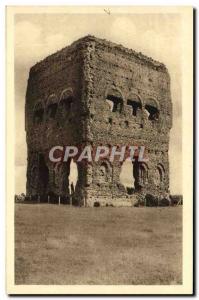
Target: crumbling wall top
x=118, y=48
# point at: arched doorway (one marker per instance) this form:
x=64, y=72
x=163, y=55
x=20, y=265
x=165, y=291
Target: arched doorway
x=69, y=178
x=73, y=176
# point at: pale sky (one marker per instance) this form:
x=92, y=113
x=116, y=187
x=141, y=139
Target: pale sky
x=155, y=35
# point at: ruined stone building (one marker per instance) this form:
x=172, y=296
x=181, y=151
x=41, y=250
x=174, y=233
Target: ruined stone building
x=95, y=92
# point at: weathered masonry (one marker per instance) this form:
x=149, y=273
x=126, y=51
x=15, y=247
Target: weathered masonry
x=95, y=92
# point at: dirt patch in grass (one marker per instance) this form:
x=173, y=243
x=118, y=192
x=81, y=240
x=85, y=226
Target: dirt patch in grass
x=70, y=245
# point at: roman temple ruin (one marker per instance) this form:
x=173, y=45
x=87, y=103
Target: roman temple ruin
x=95, y=92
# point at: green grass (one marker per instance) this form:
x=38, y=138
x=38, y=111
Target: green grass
x=70, y=245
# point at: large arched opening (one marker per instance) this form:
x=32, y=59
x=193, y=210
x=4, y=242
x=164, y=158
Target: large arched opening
x=127, y=176
x=134, y=175
x=73, y=176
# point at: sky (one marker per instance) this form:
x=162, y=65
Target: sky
x=156, y=35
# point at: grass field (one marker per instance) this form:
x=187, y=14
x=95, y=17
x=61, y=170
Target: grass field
x=70, y=245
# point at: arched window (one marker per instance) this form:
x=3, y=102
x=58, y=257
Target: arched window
x=161, y=172
x=51, y=110
x=51, y=107
x=159, y=175
x=114, y=100
x=66, y=102
x=152, y=109
x=143, y=170
x=38, y=113
x=135, y=103
x=104, y=172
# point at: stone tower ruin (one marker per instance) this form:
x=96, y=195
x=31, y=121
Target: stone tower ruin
x=95, y=92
